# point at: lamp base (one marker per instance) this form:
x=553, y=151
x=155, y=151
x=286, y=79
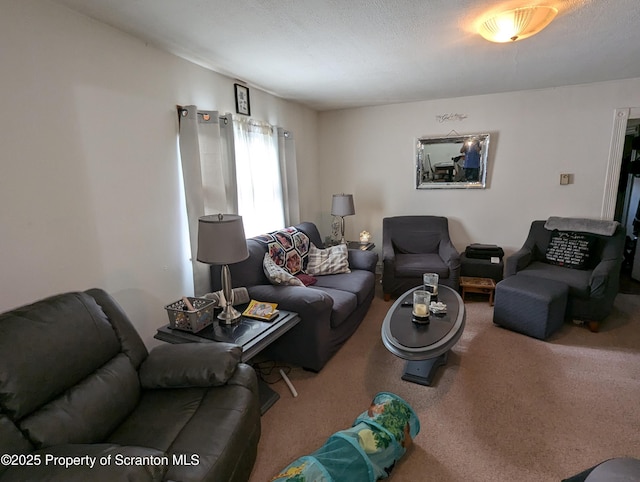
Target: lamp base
x=229, y=315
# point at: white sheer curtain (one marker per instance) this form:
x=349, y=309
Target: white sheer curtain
x=289, y=176
x=209, y=178
x=236, y=165
x=259, y=180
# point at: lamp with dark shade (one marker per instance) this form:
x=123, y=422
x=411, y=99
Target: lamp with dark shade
x=342, y=205
x=221, y=241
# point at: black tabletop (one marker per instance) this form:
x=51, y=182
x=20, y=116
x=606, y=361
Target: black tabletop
x=413, y=341
x=252, y=335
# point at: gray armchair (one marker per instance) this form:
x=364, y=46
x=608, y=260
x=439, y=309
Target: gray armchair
x=413, y=245
x=591, y=291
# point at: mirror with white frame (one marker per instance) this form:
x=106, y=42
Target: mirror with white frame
x=457, y=161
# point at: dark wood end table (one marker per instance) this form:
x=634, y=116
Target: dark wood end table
x=252, y=335
x=359, y=245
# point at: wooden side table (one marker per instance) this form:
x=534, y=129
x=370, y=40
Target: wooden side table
x=470, y=284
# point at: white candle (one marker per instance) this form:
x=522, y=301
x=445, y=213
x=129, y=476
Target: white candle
x=420, y=310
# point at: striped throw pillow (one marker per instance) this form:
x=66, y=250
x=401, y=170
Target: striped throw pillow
x=333, y=260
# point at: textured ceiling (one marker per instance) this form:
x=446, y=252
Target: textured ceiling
x=331, y=54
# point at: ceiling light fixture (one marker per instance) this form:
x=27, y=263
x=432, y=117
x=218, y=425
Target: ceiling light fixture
x=517, y=24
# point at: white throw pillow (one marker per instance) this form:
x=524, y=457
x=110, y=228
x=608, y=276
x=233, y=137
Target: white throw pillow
x=278, y=275
x=332, y=260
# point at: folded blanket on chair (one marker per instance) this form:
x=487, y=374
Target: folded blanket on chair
x=582, y=225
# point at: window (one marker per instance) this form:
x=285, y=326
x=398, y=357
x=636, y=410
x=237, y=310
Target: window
x=238, y=166
x=259, y=185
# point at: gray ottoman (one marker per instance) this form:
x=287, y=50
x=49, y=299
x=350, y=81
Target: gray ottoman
x=531, y=306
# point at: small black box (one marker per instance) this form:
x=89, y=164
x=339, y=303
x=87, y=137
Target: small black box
x=481, y=268
x=483, y=251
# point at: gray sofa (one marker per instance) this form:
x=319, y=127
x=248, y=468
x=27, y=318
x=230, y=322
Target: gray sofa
x=592, y=290
x=331, y=310
x=77, y=381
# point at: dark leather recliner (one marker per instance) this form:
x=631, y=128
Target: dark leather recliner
x=413, y=245
x=77, y=381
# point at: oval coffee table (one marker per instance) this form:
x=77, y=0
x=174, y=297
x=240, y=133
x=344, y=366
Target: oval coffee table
x=425, y=347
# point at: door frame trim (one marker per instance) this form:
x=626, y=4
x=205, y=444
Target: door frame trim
x=614, y=164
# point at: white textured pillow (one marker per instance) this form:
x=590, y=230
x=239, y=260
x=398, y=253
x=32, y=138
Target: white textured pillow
x=333, y=260
x=278, y=275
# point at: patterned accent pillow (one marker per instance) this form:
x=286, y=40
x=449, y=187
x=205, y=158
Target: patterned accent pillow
x=288, y=248
x=570, y=249
x=277, y=275
x=333, y=260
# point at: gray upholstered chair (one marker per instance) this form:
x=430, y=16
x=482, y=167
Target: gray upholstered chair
x=413, y=245
x=592, y=290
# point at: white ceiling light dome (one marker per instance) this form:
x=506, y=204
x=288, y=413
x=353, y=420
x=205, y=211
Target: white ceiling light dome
x=517, y=24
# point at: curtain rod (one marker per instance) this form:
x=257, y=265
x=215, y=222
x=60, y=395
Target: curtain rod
x=225, y=118
x=204, y=115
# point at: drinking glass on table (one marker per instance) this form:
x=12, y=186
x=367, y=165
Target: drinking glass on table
x=430, y=283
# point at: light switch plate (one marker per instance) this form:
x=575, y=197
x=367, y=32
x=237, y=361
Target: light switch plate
x=564, y=179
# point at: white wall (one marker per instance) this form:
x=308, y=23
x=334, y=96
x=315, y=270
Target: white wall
x=535, y=136
x=90, y=189
x=89, y=172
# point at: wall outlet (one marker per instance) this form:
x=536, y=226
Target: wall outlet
x=565, y=179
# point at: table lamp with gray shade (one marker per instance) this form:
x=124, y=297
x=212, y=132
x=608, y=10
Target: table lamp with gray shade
x=221, y=241
x=342, y=205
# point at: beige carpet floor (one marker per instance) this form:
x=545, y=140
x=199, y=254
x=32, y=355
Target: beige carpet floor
x=505, y=408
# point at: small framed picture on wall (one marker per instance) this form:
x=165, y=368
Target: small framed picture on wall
x=242, y=99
